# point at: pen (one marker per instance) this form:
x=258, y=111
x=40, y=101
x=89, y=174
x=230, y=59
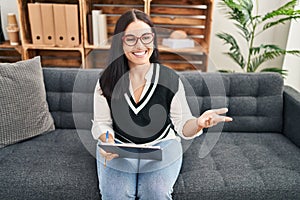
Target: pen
x=106, y=140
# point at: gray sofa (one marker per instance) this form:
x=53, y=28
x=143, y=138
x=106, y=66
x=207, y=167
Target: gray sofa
x=257, y=156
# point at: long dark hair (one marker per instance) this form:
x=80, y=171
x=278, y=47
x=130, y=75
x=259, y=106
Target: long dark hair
x=117, y=61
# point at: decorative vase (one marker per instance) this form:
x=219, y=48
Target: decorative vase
x=12, y=29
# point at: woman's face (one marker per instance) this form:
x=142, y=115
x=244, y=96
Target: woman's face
x=138, y=43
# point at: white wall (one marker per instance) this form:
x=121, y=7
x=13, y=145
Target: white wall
x=292, y=63
x=8, y=6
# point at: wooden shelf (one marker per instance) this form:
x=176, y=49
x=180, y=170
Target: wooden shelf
x=105, y=47
x=7, y=45
x=57, y=58
x=47, y=47
x=10, y=53
x=193, y=17
x=194, y=51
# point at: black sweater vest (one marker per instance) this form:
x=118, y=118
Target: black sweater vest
x=149, y=119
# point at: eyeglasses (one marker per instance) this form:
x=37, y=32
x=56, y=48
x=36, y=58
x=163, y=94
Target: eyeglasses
x=131, y=40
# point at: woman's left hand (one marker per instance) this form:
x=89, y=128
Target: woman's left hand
x=212, y=117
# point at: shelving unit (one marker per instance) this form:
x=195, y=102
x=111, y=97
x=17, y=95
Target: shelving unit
x=51, y=56
x=194, y=17
x=96, y=55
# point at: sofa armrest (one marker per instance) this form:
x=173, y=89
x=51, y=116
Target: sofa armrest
x=291, y=114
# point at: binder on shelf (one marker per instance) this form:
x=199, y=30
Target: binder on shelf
x=95, y=14
x=35, y=20
x=72, y=24
x=102, y=29
x=48, y=23
x=60, y=25
x=90, y=28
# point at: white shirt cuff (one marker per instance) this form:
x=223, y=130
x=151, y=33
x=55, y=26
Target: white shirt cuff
x=99, y=129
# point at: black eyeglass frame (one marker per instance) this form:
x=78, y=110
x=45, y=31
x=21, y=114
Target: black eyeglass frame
x=138, y=38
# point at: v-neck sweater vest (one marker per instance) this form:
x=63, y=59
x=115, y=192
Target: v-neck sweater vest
x=149, y=119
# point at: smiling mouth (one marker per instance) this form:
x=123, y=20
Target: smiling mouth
x=140, y=53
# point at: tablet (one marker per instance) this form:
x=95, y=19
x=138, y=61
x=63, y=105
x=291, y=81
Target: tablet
x=133, y=151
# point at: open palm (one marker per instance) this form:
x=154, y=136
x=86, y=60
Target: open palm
x=212, y=117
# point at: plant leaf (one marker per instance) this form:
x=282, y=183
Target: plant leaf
x=239, y=11
x=264, y=53
x=225, y=71
x=270, y=52
x=256, y=50
x=283, y=72
x=293, y=52
x=256, y=62
x=287, y=12
x=234, y=50
x=266, y=47
x=245, y=33
x=280, y=21
x=286, y=9
x=237, y=58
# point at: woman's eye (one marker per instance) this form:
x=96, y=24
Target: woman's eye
x=131, y=39
x=146, y=38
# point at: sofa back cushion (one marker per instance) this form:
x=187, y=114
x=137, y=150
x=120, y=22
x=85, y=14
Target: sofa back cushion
x=70, y=96
x=254, y=100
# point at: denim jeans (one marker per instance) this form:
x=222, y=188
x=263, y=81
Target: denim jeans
x=124, y=178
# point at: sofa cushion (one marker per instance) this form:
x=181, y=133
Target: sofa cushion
x=254, y=100
x=70, y=96
x=24, y=110
x=50, y=166
x=241, y=166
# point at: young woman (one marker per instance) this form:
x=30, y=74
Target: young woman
x=137, y=100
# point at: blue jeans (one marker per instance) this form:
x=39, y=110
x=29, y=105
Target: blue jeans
x=124, y=179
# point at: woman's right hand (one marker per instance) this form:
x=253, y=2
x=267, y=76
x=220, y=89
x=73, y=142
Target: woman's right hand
x=108, y=156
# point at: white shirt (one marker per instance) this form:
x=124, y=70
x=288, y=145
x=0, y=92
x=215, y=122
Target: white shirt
x=179, y=111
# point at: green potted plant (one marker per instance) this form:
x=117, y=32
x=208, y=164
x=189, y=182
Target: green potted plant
x=250, y=25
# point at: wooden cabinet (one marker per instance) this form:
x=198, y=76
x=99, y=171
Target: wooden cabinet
x=191, y=16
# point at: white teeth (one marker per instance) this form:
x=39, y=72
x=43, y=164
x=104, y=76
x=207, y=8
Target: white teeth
x=140, y=53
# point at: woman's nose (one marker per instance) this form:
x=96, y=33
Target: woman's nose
x=139, y=43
